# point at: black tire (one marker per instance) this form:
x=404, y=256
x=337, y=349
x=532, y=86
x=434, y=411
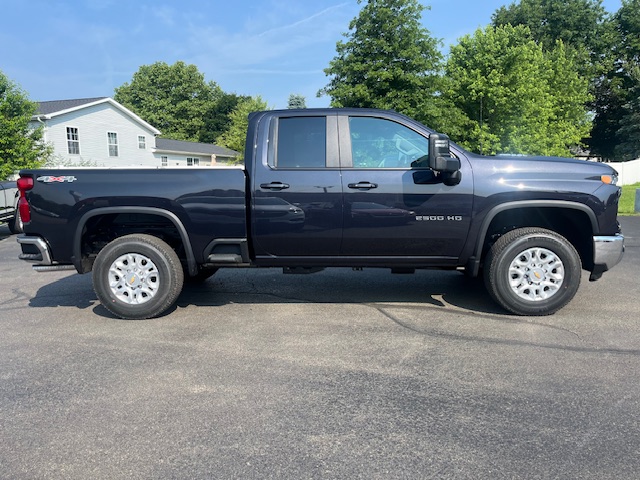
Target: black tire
x=532, y=271
x=15, y=224
x=199, y=277
x=155, y=281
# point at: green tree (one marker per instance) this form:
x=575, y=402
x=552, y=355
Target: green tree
x=628, y=133
x=235, y=137
x=582, y=25
x=515, y=97
x=296, y=101
x=174, y=98
x=585, y=27
x=617, y=107
x=388, y=61
x=217, y=119
x=21, y=145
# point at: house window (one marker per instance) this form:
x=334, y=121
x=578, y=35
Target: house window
x=73, y=141
x=142, y=142
x=113, y=144
x=164, y=160
x=192, y=161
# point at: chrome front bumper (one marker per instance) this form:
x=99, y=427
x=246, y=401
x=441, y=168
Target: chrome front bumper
x=607, y=253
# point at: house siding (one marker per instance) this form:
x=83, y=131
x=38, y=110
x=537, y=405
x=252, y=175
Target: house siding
x=93, y=123
x=102, y=116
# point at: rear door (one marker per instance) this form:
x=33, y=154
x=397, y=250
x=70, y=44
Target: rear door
x=296, y=207
x=395, y=206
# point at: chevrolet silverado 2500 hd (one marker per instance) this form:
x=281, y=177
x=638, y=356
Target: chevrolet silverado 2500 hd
x=329, y=188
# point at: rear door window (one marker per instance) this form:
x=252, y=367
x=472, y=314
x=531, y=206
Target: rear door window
x=298, y=142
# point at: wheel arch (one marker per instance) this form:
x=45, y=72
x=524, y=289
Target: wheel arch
x=83, y=267
x=550, y=214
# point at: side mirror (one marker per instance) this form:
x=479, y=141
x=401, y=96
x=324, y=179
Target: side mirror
x=440, y=158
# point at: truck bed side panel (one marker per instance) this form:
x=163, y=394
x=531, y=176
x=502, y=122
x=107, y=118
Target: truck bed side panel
x=210, y=203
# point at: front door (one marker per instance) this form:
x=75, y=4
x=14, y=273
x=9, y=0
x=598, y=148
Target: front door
x=394, y=204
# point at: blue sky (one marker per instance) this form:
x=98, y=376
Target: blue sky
x=57, y=49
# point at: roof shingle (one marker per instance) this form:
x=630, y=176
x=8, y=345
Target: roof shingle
x=47, y=108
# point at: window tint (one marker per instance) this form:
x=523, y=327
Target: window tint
x=301, y=142
x=379, y=143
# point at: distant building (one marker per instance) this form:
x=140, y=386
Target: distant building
x=100, y=132
x=178, y=152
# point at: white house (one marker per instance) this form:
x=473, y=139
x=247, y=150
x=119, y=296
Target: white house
x=101, y=132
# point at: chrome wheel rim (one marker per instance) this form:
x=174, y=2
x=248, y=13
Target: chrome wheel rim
x=536, y=274
x=134, y=279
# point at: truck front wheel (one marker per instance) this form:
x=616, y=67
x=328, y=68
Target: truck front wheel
x=532, y=271
x=137, y=276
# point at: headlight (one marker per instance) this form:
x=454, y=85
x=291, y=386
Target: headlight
x=610, y=179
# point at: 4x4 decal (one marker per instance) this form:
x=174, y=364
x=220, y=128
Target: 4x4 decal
x=54, y=179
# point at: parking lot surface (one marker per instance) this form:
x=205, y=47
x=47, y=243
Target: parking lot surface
x=338, y=374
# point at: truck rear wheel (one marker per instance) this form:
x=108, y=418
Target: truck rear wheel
x=532, y=271
x=137, y=276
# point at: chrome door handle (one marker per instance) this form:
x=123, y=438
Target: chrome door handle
x=363, y=185
x=274, y=186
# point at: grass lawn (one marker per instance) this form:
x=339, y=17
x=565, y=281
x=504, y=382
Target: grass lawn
x=627, y=201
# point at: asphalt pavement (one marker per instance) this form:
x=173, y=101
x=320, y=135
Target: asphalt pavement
x=334, y=375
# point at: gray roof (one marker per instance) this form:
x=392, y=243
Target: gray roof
x=169, y=145
x=46, y=108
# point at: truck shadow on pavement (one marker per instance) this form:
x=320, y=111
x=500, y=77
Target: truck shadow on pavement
x=70, y=291
x=437, y=289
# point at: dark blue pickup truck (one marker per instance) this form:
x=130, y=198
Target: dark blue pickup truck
x=329, y=188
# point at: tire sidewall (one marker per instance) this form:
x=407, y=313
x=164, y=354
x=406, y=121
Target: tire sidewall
x=164, y=297
x=15, y=224
x=571, y=281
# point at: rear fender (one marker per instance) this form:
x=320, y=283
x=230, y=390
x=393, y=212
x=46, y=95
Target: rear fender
x=172, y=217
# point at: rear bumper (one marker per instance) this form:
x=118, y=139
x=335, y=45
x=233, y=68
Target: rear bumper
x=35, y=250
x=607, y=253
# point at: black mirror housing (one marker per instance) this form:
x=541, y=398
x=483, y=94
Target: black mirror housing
x=440, y=158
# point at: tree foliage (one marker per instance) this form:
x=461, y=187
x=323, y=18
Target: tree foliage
x=388, y=61
x=235, y=137
x=173, y=98
x=628, y=146
x=617, y=107
x=513, y=96
x=628, y=27
x=21, y=145
x=581, y=25
x=296, y=101
x=217, y=119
